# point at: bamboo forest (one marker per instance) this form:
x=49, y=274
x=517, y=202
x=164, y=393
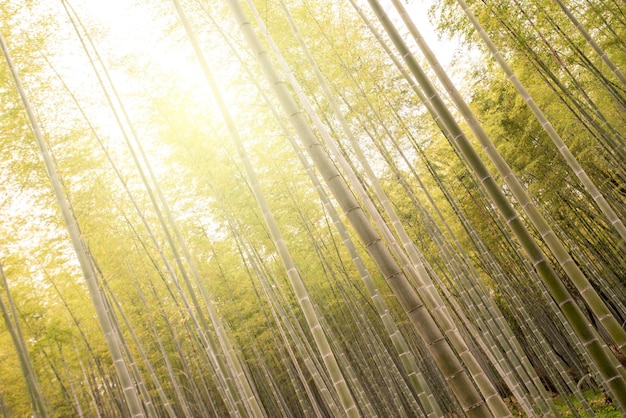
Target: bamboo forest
x=313, y=208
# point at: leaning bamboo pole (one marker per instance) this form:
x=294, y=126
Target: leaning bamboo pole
x=443, y=354
x=11, y=319
x=228, y=372
x=80, y=247
x=612, y=217
x=328, y=357
x=603, y=358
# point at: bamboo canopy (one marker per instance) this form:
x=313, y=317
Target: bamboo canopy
x=313, y=208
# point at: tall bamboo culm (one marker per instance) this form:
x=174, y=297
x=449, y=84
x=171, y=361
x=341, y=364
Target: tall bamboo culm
x=442, y=353
x=80, y=247
x=604, y=360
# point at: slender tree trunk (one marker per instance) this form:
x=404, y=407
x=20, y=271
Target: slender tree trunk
x=80, y=247
x=11, y=319
x=604, y=359
x=339, y=382
x=408, y=298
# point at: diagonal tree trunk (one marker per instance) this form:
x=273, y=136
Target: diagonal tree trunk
x=339, y=382
x=82, y=253
x=603, y=358
x=230, y=376
x=443, y=354
x=11, y=319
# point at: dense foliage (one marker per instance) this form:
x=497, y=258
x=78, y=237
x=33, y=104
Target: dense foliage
x=286, y=208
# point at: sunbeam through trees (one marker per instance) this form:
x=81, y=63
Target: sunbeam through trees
x=313, y=208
